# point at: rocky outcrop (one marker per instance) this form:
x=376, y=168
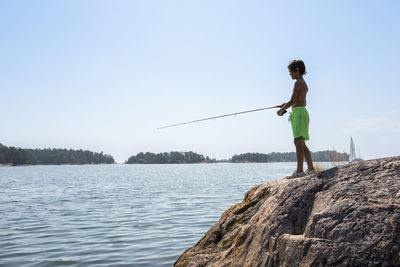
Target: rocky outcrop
x=346, y=216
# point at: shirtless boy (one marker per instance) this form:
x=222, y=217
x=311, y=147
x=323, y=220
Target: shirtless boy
x=299, y=118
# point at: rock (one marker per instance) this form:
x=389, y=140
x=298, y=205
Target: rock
x=346, y=216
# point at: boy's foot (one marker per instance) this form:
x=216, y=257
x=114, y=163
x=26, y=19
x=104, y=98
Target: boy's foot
x=312, y=172
x=295, y=175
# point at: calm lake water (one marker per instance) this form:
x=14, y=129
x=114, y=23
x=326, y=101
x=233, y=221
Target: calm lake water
x=117, y=215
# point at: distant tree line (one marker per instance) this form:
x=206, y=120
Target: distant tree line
x=13, y=155
x=328, y=156
x=57, y=156
x=19, y=156
x=168, y=157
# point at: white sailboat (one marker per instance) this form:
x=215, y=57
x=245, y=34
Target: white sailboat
x=352, y=156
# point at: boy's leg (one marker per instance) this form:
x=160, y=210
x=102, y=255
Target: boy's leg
x=299, y=143
x=307, y=155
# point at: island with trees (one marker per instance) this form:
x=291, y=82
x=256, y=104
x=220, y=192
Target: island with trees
x=56, y=156
x=173, y=157
x=13, y=156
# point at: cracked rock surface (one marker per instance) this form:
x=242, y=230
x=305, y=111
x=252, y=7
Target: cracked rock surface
x=346, y=216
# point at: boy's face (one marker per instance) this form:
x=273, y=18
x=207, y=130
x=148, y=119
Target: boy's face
x=294, y=74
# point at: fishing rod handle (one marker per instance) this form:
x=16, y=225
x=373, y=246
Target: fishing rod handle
x=280, y=106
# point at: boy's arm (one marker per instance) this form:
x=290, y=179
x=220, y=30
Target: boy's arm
x=292, y=100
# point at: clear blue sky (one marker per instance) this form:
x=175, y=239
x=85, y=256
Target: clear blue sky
x=103, y=75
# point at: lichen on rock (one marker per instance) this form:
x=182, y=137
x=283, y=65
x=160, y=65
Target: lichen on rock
x=345, y=216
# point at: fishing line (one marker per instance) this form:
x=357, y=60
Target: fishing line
x=220, y=116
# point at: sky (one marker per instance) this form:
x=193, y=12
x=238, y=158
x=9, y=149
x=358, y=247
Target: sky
x=103, y=75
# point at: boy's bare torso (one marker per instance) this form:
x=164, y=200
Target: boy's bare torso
x=299, y=93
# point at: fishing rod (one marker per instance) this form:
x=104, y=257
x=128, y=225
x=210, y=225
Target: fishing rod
x=221, y=116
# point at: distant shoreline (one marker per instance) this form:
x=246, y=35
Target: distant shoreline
x=220, y=162
x=27, y=165
x=6, y=165
x=190, y=157
x=11, y=156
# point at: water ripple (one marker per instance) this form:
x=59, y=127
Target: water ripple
x=117, y=215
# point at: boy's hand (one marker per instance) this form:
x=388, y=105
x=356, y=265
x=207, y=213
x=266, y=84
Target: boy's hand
x=281, y=112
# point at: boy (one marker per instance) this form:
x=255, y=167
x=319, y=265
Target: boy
x=299, y=118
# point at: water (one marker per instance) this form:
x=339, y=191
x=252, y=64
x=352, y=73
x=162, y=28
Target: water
x=117, y=215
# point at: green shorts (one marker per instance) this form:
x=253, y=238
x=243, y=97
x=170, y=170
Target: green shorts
x=300, y=120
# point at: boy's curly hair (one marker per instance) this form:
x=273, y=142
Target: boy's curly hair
x=297, y=63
